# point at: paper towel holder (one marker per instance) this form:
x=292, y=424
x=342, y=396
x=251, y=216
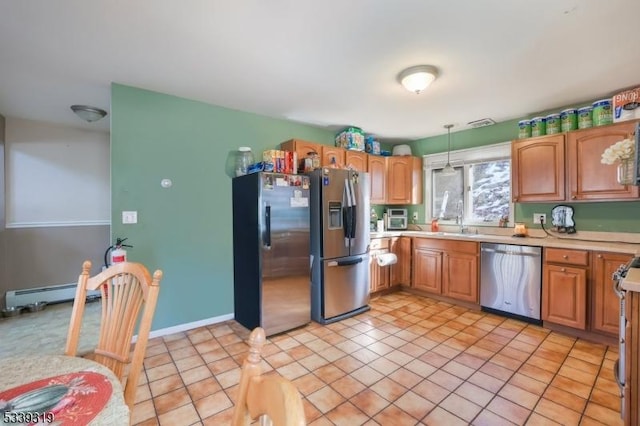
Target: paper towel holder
x=386, y=259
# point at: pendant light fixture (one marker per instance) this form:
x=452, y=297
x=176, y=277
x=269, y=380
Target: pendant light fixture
x=448, y=169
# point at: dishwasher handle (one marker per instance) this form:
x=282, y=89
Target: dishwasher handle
x=516, y=253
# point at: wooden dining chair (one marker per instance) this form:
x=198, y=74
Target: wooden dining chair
x=271, y=397
x=127, y=289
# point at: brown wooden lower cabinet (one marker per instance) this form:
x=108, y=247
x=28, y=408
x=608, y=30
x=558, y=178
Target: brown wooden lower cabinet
x=446, y=267
x=564, y=295
x=379, y=275
x=605, y=303
x=427, y=270
x=401, y=271
x=460, y=277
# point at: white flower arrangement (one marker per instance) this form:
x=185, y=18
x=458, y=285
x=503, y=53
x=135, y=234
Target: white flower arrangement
x=619, y=151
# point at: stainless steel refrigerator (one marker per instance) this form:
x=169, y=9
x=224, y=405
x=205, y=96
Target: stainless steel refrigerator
x=339, y=244
x=272, y=284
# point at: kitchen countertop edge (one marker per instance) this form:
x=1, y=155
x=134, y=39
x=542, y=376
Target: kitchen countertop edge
x=549, y=241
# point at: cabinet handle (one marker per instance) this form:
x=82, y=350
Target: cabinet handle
x=563, y=270
x=573, y=197
x=564, y=256
x=515, y=199
x=599, y=256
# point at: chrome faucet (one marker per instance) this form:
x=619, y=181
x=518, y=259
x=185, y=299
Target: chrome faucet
x=460, y=217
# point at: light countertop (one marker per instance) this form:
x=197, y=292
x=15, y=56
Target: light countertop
x=598, y=241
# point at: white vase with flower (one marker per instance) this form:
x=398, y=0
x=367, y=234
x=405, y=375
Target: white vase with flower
x=621, y=152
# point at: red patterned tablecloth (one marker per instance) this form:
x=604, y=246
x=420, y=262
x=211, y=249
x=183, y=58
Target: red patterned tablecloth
x=87, y=394
x=83, y=391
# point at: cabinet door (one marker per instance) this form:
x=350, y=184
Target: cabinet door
x=606, y=304
x=564, y=296
x=379, y=274
x=401, y=271
x=331, y=152
x=356, y=160
x=301, y=148
x=427, y=270
x=589, y=179
x=537, y=169
x=377, y=166
x=460, y=277
x=399, y=173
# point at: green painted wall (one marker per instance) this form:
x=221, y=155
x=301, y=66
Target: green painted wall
x=185, y=230
x=600, y=216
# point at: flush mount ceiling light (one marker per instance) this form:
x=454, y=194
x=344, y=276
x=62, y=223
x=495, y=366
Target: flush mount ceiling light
x=418, y=78
x=448, y=169
x=88, y=113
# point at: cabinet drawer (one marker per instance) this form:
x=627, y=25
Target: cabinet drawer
x=379, y=243
x=469, y=247
x=572, y=257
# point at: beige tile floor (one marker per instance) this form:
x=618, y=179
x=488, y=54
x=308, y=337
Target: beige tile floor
x=409, y=360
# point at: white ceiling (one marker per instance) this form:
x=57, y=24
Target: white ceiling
x=330, y=63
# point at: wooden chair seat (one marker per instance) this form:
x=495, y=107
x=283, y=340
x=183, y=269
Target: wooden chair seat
x=272, y=398
x=129, y=296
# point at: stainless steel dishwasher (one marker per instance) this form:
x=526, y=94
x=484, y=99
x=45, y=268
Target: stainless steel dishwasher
x=511, y=280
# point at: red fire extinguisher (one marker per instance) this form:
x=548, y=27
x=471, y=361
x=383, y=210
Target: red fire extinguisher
x=115, y=254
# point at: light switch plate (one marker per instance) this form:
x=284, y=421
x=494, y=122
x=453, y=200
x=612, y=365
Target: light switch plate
x=415, y=215
x=129, y=217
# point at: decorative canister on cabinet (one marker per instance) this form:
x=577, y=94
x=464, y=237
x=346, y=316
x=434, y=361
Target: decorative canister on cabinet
x=524, y=129
x=538, y=126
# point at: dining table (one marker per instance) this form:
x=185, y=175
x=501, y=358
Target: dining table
x=60, y=390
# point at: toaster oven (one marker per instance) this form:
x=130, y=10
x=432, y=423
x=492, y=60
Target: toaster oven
x=397, y=219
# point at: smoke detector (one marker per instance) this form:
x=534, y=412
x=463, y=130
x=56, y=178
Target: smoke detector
x=483, y=122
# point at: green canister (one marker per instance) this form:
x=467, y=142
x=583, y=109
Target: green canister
x=568, y=119
x=602, y=113
x=524, y=127
x=584, y=117
x=553, y=124
x=538, y=126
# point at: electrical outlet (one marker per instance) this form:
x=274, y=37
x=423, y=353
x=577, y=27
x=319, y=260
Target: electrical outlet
x=415, y=216
x=540, y=218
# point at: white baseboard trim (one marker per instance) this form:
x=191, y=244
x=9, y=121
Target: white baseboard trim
x=69, y=224
x=187, y=326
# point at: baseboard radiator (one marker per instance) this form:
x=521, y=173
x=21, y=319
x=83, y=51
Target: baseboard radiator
x=50, y=294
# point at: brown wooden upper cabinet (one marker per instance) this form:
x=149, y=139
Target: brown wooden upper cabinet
x=399, y=179
x=301, y=148
x=395, y=180
x=567, y=166
x=589, y=179
x=377, y=169
x=537, y=169
x=356, y=160
x=331, y=154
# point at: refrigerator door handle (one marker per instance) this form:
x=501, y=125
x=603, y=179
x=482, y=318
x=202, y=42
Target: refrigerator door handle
x=345, y=262
x=267, y=234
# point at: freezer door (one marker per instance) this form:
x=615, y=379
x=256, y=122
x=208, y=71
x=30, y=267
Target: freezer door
x=334, y=213
x=361, y=238
x=284, y=230
x=345, y=284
